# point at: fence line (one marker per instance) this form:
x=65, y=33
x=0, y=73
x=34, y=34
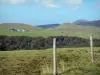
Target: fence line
x=54, y=54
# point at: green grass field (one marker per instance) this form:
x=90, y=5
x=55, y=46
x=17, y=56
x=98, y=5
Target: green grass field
x=70, y=61
x=47, y=33
x=62, y=30
x=43, y=33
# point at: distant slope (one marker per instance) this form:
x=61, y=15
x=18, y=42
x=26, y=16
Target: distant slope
x=48, y=26
x=6, y=26
x=78, y=30
x=80, y=21
x=88, y=23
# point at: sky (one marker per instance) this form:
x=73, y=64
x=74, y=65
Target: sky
x=40, y=12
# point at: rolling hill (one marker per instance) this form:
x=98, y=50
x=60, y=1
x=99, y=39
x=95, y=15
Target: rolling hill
x=48, y=26
x=88, y=23
x=6, y=26
x=66, y=29
x=78, y=30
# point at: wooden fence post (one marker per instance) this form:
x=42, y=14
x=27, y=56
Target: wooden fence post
x=54, y=56
x=91, y=45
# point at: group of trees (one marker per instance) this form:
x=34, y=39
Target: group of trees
x=37, y=43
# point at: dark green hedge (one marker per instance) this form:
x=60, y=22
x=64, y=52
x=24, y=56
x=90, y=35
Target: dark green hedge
x=37, y=43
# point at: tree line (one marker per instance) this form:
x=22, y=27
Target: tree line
x=37, y=43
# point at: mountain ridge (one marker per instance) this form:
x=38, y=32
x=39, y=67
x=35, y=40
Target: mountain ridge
x=47, y=26
x=87, y=23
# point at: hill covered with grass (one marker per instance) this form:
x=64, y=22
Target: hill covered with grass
x=6, y=26
x=78, y=30
x=88, y=23
x=66, y=29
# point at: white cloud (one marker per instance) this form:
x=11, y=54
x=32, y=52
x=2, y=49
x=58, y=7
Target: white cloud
x=12, y=1
x=52, y=5
x=48, y=3
x=37, y=1
x=16, y=1
x=73, y=2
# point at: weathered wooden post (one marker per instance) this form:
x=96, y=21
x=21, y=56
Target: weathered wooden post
x=91, y=45
x=54, y=56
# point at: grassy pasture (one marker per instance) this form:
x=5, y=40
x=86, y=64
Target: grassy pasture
x=62, y=30
x=70, y=61
x=47, y=33
x=43, y=33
